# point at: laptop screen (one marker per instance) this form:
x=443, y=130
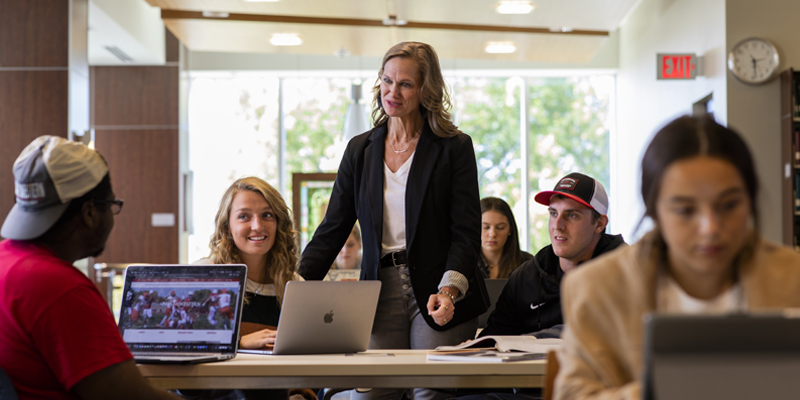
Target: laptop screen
x=182, y=308
x=735, y=356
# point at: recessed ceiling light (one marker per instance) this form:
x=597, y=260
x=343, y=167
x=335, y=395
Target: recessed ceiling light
x=261, y=1
x=514, y=7
x=215, y=14
x=285, y=39
x=500, y=47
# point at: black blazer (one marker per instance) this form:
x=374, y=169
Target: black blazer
x=443, y=217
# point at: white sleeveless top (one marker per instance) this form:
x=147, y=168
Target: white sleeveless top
x=394, y=207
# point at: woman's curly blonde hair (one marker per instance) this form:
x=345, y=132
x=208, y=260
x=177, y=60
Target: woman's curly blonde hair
x=434, y=99
x=282, y=257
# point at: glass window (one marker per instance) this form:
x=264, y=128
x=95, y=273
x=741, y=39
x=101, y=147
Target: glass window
x=488, y=109
x=569, y=132
x=315, y=113
x=233, y=133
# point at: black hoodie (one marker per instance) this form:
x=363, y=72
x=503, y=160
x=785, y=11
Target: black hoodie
x=531, y=299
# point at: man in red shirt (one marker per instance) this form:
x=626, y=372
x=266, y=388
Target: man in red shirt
x=58, y=338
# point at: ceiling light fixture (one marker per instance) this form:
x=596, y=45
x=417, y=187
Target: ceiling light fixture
x=514, y=7
x=500, y=47
x=285, y=39
x=261, y=1
x=215, y=14
x=393, y=21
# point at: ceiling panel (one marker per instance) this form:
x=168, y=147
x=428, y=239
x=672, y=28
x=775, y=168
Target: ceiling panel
x=204, y=35
x=239, y=36
x=579, y=14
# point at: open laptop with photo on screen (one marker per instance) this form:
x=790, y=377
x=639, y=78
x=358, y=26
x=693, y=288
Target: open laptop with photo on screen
x=182, y=313
x=325, y=317
x=733, y=356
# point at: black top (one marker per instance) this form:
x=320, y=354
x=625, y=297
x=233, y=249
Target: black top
x=484, y=267
x=443, y=217
x=531, y=299
x=260, y=309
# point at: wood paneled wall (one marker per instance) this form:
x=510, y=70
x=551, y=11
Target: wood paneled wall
x=135, y=118
x=34, y=80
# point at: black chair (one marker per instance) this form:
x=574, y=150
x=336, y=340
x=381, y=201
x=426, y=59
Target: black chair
x=7, y=391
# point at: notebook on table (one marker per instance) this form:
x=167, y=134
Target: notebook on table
x=325, y=317
x=182, y=313
x=736, y=356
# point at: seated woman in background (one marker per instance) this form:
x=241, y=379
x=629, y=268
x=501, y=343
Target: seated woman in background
x=350, y=255
x=703, y=255
x=254, y=227
x=500, y=253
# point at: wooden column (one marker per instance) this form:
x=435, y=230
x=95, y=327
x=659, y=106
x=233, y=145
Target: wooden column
x=134, y=112
x=34, y=80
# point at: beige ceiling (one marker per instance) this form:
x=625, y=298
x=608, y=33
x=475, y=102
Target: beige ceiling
x=253, y=37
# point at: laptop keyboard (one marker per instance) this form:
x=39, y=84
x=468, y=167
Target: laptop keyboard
x=155, y=355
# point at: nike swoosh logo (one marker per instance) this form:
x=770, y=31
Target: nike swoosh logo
x=533, y=307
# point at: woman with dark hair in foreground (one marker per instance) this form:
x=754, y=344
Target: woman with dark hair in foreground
x=704, y=255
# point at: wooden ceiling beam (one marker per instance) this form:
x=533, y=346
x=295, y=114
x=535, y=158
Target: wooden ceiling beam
x=221, y=16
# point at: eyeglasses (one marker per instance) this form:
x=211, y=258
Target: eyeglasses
x=116, y=204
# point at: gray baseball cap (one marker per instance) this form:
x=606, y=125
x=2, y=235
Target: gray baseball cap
x=48, y=174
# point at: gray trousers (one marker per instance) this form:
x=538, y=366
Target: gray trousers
x=400, y=325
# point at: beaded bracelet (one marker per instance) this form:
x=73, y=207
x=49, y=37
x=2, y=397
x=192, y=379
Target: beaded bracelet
x=452, y=299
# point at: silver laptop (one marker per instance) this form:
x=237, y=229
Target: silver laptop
x=182, y=313
x=739, y=356
x=325, y=317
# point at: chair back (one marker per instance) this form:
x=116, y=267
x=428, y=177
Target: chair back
x=550, y=375
x=7, y=391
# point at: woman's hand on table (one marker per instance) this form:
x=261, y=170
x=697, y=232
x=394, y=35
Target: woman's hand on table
x=258, y=340
x=441, y=307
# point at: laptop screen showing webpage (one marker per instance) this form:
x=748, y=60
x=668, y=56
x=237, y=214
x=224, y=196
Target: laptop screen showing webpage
x=182, y=308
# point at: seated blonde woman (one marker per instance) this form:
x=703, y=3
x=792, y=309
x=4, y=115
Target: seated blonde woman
x=254, y=227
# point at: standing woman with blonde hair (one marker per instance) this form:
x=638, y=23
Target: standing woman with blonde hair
x=412, y=184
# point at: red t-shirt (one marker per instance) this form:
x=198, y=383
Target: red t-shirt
x=55, y=327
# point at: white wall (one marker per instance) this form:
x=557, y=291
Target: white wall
x=754, y=111
x=133, y=26
x=645, y=104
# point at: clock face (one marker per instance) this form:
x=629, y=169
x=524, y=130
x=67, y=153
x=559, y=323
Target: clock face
x=753, y=61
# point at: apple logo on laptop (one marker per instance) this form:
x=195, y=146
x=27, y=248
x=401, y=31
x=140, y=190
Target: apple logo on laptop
x=329, y=317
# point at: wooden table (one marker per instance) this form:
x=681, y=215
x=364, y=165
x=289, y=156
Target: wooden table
x=373, y=369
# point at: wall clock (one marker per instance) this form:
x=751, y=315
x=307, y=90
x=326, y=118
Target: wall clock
x=753, y=61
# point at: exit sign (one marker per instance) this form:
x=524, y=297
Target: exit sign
x=676, y=66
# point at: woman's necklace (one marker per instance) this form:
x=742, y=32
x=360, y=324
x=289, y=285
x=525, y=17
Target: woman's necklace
x=409, y=145
x=254, y=287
